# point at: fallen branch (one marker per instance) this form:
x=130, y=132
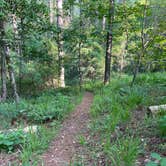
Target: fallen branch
x=28, y=129
x=155, y=109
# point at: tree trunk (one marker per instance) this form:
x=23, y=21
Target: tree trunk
x=103, y=23
x=5, y=59
x=79, y=66
x=21, y=53
x=51, y=6
x=3, y=62
x=11, y=74
x=79, y=47
x=60, y=43
x=109, y=44
x=3, y=77
x=16, y=33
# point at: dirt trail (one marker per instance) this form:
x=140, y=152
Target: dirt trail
x=64, y=147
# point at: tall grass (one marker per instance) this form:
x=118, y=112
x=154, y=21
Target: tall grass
x=113, y=105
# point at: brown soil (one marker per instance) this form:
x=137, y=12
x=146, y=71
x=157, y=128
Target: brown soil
x=8, y=159
x=63, y=149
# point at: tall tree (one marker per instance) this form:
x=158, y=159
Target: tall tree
x=11, y=73
x=79, y=45
x=109, y=42
x=3, y=60
x=51, y=7
x=60, y=43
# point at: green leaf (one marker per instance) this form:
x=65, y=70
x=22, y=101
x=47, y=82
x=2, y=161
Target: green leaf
x=163, y=162
x=8, y=143
x=155, y=156
x=151, y=163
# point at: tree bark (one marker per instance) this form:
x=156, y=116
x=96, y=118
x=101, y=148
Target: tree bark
x=60, y=43
x=103, y=23
x=11, y=74
x=51, y=6
x=79, y=46
x=109, y=43
x=21, y=53
x=3, y=62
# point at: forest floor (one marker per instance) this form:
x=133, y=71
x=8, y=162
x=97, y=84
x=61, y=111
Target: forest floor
x=63, y=149
x=111, y=127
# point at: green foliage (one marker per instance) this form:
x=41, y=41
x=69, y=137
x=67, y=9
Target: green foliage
x=92, y=86
x=159, y=161
x=50, y=107
x=162, y=125
x=113, y=105
x=84, y=35
x=123, y=152
x=82, y=140
x=11, y=139
x=36, y=143
x=151, y=79
x=28, y=143
x=32, y=43
x=117, y=100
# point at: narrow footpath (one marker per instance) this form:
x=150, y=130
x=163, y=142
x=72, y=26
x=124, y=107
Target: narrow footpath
x=63, y=149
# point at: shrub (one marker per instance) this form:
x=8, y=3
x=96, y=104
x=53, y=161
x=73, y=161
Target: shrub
x=50, y=107
x=8, y=141
x=37, y=110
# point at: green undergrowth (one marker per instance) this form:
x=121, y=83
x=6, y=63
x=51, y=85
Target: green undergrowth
x=8, y=141
x=49, y=105
x=113, y=107
x=46, y=111
x=36, y=143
